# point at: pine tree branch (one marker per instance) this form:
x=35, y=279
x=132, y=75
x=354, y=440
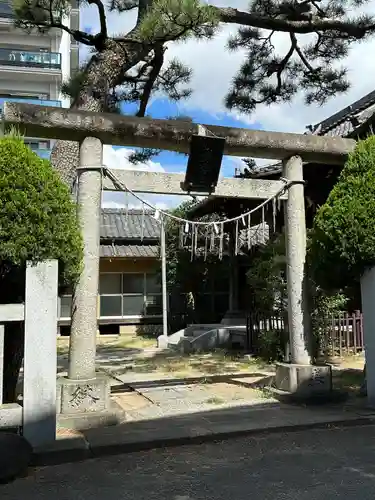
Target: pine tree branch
x=308, y=24
x=28, y=18
x=123, y=5
x=102, y=19
x=156, y=66
x=284, y=62
x=300, y=53
x=78, y=35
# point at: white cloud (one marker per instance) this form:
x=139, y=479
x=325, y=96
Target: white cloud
x=119, y=159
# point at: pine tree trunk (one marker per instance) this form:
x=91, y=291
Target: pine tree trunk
x=104, y=72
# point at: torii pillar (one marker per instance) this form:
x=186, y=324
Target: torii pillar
x=84, y=393
x=297, y=376
x=295, y=232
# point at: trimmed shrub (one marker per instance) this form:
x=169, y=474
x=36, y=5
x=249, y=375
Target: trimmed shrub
x=342, y=241
x=37, y=215
x=38, y=221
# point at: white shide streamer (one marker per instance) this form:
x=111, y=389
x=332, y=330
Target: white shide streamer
x=214, y=230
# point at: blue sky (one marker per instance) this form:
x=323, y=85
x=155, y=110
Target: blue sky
x=170, y=161
x=163, y=108
x=174, y=162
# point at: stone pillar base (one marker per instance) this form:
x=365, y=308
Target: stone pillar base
x=162, y=342
x=304, y=381
x=83, y=404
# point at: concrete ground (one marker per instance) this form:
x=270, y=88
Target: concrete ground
x=155, y=399
x=305, y=465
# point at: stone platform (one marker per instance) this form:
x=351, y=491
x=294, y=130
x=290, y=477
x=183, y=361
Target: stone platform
x=83, y=404
x=304, y=381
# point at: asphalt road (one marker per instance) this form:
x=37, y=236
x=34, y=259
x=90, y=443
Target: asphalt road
x=309, y=465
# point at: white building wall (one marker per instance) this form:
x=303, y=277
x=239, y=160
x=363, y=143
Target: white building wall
x=32, y=88
x=18, y=39
x=64, y=49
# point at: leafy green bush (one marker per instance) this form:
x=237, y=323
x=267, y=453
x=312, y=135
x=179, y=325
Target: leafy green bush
x=342, y=241
x=37, y=215
x=266, y=278
x=271, y=345
x=38, y=221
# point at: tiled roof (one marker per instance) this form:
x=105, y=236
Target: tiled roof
x=346, y=121
x=273, y=169
x=140, y=251
x=119, y=224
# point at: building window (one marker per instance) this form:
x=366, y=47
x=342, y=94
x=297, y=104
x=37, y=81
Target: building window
x=110, y=305
x=65, y=306
x=123, y=295
x=129, y=294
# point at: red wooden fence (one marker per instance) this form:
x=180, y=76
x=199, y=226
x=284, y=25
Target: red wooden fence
x=343, y=334
x=339, y=335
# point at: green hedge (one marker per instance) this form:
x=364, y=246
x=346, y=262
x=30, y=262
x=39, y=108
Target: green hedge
x=37, y=215
x=342, y=241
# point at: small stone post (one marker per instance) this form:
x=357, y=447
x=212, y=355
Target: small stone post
x=295, y=226
x=85, y=300
x=40, y=364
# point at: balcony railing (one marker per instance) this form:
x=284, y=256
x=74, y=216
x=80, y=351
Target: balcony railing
x=40, y=102
x=41, y=148
x=43, y=153
x=6, y=10
x=24, y=58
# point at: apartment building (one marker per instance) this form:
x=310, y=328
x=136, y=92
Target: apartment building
x=34, y=65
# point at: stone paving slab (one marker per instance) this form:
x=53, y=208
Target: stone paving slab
x=131, y=401
x=176, y=399
x=113, y=358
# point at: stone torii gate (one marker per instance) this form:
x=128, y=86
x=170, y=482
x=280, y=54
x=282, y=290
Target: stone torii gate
x=83, y=392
